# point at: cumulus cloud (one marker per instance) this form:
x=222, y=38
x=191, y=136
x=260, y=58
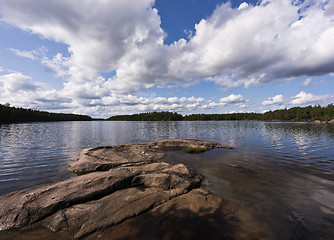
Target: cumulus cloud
x=273, y=41
x=58, y=64
x=249, y=45
x=232, y=99
x=113, y=36
x=128, y=103
x=278, y=99
x=15, y=82
x=133, y=103
x=243, y=5
x=19, y=90
x=246, y=46
x=304, y=98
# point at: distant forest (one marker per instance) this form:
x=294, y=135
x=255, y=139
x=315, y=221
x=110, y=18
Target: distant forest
x=18, y=115
x=150, y=116
x=309, y=113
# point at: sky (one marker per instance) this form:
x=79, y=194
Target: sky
x=109, y=57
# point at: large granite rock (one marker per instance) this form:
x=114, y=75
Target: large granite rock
x=105, y=158
x=195, y=215
x=25, y=207
x=118, y=187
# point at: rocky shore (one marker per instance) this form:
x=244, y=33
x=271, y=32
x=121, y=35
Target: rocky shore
x=121, y=192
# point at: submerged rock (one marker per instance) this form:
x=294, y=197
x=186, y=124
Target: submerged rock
x=118, y=187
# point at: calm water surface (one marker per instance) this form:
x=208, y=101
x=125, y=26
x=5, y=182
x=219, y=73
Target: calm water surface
x=278, y=182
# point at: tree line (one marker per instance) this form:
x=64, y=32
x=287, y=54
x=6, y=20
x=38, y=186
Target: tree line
x=18, y=115
x=149, y=116
x=309, y=113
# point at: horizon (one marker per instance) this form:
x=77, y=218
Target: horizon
x=107, y=58
x=183, y=115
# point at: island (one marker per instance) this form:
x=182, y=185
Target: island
x=120, y=192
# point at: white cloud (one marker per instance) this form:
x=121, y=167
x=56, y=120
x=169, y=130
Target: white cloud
x=243, y=106
x=189, y=33
x=33, y=55
x=265, y=43
x=58, y=64
x=246, y=46
x=125, y=104
x=18, y=90
x=304, y=98
x=25, y=54
x=271, y=41
x=307, y=82
x=278, y=99
x=114, y=36
x=15, y=82
x=232, y=99
x=243, y=6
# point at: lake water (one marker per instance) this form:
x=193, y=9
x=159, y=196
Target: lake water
x=278, y=182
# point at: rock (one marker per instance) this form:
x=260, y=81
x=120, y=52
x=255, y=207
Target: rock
x=331, y=121
x=26, y=207
x=162, y=180
x=179, y=144
x=177, y=176
x=239, y=168
x=195, y=215
x=116, y=186
x=108, y=211
x=105, y=158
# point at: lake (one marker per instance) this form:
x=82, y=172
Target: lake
x=278, y=182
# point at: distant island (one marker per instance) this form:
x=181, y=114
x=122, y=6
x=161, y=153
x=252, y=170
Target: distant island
x=309, y=113
x=317, y=113
x=19, y=115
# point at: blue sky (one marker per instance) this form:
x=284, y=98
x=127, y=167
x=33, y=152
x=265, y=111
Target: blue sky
x=103, y=58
